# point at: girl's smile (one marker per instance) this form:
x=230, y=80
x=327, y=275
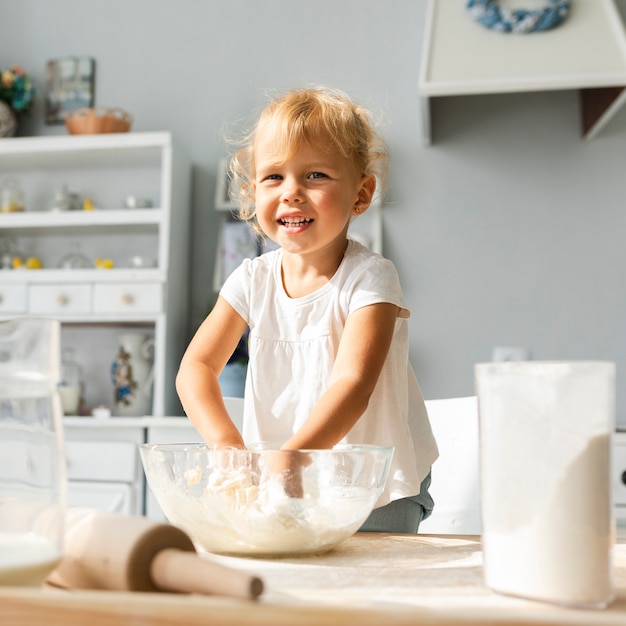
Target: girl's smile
x=293, y=224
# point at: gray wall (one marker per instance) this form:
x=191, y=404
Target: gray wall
x=507, y=231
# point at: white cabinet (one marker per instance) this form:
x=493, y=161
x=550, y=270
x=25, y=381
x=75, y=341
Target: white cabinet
x=103, y=465
x=96, y=306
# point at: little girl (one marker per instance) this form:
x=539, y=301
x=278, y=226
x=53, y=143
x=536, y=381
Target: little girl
x=327, y=318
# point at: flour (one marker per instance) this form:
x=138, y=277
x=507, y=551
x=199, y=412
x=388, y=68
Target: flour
x=241, y=511
x=561, y=550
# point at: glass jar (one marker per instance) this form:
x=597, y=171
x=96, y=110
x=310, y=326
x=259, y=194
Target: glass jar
x=61, y=200
x=75, y=259
x=65, y=200
x=545, y=442
x=10, y=256
x=12, y=197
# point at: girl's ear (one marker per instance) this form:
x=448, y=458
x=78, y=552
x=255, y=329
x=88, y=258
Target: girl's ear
x=365, y=194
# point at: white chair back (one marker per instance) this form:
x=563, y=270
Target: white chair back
x=455, y=475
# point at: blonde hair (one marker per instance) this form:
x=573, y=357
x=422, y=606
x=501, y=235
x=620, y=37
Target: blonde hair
x=308, y=116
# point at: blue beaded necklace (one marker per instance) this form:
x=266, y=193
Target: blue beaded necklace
x=490, y=15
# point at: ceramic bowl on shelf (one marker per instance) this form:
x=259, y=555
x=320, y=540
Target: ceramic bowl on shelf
x=98, y=120
x=264, y=501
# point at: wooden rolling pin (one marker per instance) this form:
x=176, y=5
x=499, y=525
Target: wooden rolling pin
x=132, y=553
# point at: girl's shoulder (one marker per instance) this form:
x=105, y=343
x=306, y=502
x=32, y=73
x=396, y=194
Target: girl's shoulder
x=250, y=274
x=367, y=278
x=261, y=264
x=361, y=259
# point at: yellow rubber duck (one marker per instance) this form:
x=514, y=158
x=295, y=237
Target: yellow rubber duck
x=33, y=263
x=104, y=264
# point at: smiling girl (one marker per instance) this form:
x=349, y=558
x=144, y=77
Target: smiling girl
x=327, y=318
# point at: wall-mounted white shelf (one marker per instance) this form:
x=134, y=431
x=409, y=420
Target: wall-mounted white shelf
x=587, y=52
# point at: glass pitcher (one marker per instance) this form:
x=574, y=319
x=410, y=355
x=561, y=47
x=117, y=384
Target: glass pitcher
x=32, y=465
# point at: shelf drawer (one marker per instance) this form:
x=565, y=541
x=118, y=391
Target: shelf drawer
x=60, y=298
x=101, y=460
x=128, y=298
x=13, y=298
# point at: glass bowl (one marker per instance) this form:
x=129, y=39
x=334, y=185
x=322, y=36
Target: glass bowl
x=264, y=501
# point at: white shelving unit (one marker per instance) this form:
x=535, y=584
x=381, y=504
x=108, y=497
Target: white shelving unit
x=96, y=305
x=587, y=52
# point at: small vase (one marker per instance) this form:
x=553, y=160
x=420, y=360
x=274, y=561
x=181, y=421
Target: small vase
x=8, y=120
x=71, y=386
x=132, y=374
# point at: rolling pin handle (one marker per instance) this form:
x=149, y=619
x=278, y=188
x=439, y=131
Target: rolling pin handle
x=182, y=571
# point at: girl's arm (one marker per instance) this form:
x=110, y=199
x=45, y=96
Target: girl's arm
x=362, y=352
x=197, y=379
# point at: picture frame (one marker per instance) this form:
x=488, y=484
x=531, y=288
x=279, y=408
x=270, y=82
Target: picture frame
x=70, y=85
x=225, y=195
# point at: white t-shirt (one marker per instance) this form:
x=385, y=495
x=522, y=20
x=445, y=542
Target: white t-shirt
x=293, y=343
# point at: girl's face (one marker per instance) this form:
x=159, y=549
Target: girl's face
x=305, y=203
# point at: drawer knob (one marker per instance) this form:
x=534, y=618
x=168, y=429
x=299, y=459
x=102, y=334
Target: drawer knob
x=624, y=477
x=127, y=298
x=62, y=299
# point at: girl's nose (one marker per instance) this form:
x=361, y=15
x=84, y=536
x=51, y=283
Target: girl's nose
x=291, y=191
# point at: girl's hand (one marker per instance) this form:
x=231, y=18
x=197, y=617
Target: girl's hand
x=285, y=467
x=233, y=467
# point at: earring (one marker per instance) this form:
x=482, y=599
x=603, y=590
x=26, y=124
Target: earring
x=357, y=209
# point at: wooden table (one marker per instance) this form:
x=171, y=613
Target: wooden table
x=371, y=578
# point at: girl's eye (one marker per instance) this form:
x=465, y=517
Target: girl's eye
x=317, y=175
x=273, y=177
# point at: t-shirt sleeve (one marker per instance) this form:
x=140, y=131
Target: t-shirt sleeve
x=377, y=281
x=236, y=289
